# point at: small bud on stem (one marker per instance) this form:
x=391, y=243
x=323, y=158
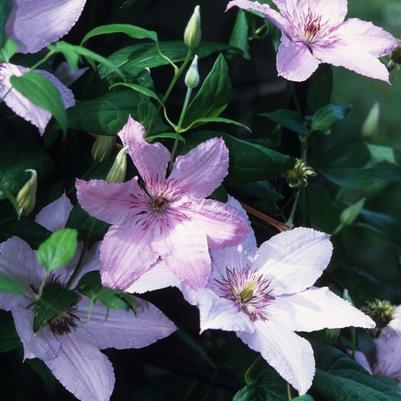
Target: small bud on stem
x=102, y=147
x=26, y=198
x=193, y=33
x=119, y=168
x=192, y=78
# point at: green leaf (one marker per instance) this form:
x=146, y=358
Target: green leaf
x=10, y=285
x=328, y=115
x=133, y=31
x=140, y=89
x=55, y=299
x=132, y=60
x=42, y=93
x=249, y=161
x=340, y=378
x=289, y=119
x=240, y=35
x=9, y=339
x=213, y=96
x=90, y=285
x=320, y=87
x=58, y=250
x=8, y=51
x=5, y=8
x=357, y=166
x=127, y=4
x=16, y=156
x=219, y=120
x=351, y=213
x=303, y=398
x=164, y=135
x=107, y=114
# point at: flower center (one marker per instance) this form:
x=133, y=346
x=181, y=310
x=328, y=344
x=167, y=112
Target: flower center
x=159, y=204
x=312, y=27
x=248, y=290
x=64, y=322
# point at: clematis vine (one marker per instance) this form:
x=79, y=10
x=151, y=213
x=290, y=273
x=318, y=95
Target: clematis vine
x=266, y=294
x=70, y=343
x=160, y=216
x=33, y=25
x=315, y=31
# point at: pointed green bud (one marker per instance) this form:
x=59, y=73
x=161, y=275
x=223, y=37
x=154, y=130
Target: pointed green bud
x=381, y=311
x=192, y=78
x=371, y=125
x=119, y=168
x=299, y=175
x=26, y=198
x=193, y=32
x=103, y=147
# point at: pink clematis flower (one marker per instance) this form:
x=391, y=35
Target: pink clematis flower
x=265, y=295
x=158, y=217
x=314, y=32
x=32, y=25
x=70, y=343
x=388, y=355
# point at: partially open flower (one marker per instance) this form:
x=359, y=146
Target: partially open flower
x=119, y=168
x=26, y=198
x=381, y=311
x=299, y=175
x=102, y=147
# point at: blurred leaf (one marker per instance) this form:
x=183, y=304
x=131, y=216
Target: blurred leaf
x=8, y=50
x=41, y=92
x=9, y=339
x=90, y=285
x=248, y=161
x=289, y=119
x=107, y=114
x=303, y=398
x=213, y=96
x=10, y=285
x=132, y=60
x=16, y=156
x=133, y=31
x=320, y=86
x=328, y=115
x=240, y=35
x=5, y=8
x=357, y=166
x=339, y=377
x=350, y=214
x=55, y=299
x=58, y=250
x=127, y=3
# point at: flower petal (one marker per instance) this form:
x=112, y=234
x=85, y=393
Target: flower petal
x=125, y=255
x=366, y=37
x=55, y=215
x=43, y=344
x=151, y=160
x=295, y=61
x=33, y=25
x=388, y=354
x=121, y=328
x=222, y=224
x=285, y=351
x=67, y=75
x=185, y=251
x=82, y=369
x=158, y=277
x=361, y=358
x=202, y=170
x=219, y=313
x=113, y=203
x=294, y=260
x=316, y=309
x=18, y=261
x=21, y=105
x=341, y=54
x=262, y=9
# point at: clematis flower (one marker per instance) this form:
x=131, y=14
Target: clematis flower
x=265, y=295
x=33, y=25
x=70, y=343
x=388, y=358
x=157, y=217
x=315, y=31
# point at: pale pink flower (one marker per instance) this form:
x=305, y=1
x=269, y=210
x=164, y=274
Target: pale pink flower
x=315, y=31
x=32, y=25
x=158, y=217
x=265, y=295
x=70, y=343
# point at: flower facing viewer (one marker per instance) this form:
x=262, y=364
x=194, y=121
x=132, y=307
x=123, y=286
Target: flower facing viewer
x=157, y=217
x=315, y=31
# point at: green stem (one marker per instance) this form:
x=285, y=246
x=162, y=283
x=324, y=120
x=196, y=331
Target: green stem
x=289, y=392
x=179, y=126
x=43, y=60
x=290, y=221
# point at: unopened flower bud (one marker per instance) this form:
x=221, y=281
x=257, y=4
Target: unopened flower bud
x=371, y=125
x=102, y=147
x=192, y=78
x=396, y=55
x=119, y=168
x=299, y=175
x=381, y=311
x=193, y=32
x=332, y=335
x=26, y=198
